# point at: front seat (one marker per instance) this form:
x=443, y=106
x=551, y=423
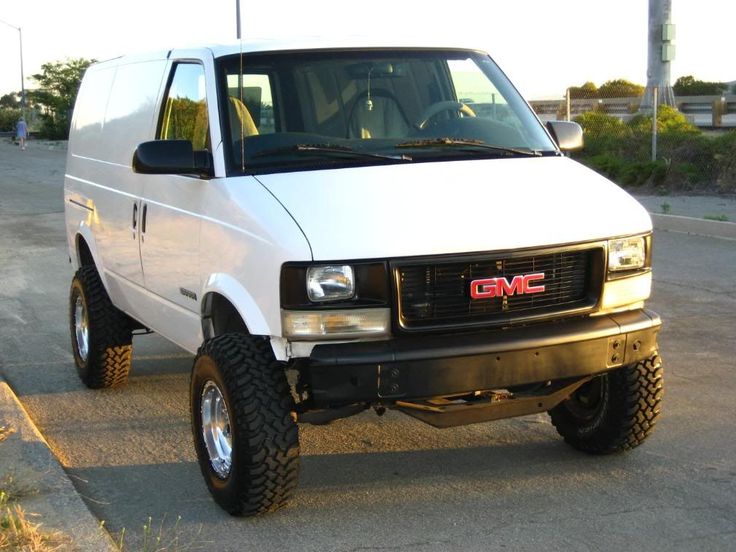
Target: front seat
x=241, y=122
x=381, y=117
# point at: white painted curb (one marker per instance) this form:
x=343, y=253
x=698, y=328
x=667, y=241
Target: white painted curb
x=689, y=225
x=25, y=455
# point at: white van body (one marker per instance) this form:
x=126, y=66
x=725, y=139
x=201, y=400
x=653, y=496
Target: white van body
x=171, y=249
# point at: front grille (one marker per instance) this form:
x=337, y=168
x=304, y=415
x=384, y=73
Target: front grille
x=437, y=293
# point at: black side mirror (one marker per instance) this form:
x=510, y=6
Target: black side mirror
x=171, y=157
x=569, y=136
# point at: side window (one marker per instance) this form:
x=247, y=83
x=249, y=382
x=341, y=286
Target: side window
x=185, y=107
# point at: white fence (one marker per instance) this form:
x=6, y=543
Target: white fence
x=709, y=112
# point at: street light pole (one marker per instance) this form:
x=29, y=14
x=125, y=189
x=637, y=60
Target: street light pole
x=22, y=77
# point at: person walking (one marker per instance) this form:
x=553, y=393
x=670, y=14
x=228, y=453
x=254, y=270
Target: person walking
x=21, y=132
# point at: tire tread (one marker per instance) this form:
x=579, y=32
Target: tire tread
x=634, y=406
x=110, y=341
x=266, y=435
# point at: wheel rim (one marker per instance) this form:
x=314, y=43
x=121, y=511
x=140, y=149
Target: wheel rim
x=81, y=328
x=586, y=402
x=216, y=429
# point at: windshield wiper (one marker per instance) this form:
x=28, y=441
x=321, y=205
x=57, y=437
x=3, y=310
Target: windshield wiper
x=330, y=149
x=467, y=144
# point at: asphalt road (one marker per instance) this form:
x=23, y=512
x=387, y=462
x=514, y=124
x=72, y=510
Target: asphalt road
x=371, y=483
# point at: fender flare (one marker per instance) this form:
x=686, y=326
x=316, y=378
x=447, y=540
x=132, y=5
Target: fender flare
x=84, y=231
x=232, y=290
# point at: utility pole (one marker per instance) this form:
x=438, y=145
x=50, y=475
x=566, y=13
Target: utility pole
x=660, y=56
x=22, y=77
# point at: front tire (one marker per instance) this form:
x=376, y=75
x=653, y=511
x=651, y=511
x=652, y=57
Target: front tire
x=613, y=412
x=101, y=335
x=246, y=440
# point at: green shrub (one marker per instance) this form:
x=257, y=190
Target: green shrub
x=687, y=159
x=639, y=173
x=669, y=121
x=8, y=118
x=724, y=148
x=598, y=125
x=607, y=164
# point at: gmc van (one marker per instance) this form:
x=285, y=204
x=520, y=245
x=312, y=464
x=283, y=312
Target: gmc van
x=335, y=229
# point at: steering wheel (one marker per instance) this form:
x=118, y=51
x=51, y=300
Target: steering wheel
x=439, y=107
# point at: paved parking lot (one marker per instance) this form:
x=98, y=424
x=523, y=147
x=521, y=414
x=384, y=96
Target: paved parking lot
x=371, y=483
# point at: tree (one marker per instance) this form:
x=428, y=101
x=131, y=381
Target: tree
x=58, y=86
x=620, y=88
x=11, y=100
x=616, y=88
x=586, y=91
x=690, y=86
x=9, y=111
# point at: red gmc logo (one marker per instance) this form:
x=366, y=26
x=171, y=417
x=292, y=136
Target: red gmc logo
x=498, y=287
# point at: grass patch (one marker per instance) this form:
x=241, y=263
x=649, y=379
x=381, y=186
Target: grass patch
x=15, y=488
x=5, y=432
x=17, y=532
x=719, y=218
x=159, y=538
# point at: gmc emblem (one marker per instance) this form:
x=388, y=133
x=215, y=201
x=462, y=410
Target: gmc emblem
x=498, y=287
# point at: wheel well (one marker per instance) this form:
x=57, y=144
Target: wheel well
x=84, y=253
x=219, y=316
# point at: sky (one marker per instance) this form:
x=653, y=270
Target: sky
x=543, y=46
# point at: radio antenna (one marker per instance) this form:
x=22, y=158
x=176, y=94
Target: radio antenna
x=240, y=89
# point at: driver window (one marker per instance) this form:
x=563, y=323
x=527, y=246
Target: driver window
x=185, y=107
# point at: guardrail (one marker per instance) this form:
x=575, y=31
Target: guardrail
x=715, y=112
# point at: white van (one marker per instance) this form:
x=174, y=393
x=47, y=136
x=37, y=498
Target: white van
x=333, y=229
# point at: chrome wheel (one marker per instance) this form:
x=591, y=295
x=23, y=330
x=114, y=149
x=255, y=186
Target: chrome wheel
x=216, y=429
x=81, y=328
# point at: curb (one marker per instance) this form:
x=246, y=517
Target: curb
x=44, y=488
x=689, y=225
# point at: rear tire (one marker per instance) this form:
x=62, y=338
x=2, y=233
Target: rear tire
x=101, y=334
x=246, y=440
x=613, y=412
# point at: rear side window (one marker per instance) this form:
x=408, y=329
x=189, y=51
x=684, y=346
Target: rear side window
x=185, y=107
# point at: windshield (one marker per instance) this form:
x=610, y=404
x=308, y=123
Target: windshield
x=296, y=111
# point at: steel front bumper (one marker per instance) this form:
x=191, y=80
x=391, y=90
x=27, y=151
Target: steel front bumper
x=431, y=366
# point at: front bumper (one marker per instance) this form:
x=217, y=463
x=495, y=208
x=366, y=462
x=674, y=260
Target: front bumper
x=431, y=366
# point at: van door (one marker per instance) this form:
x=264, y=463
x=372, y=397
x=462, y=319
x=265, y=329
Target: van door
x=115, y=112
x=170, y=220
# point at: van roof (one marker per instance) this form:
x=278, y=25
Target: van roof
x=285, y=45
x=323, y=43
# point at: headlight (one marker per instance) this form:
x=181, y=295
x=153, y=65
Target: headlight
x=627, y=254
x=330, y=283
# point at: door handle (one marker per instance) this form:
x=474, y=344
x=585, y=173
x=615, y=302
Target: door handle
x=135, y=218
x=143, y=222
